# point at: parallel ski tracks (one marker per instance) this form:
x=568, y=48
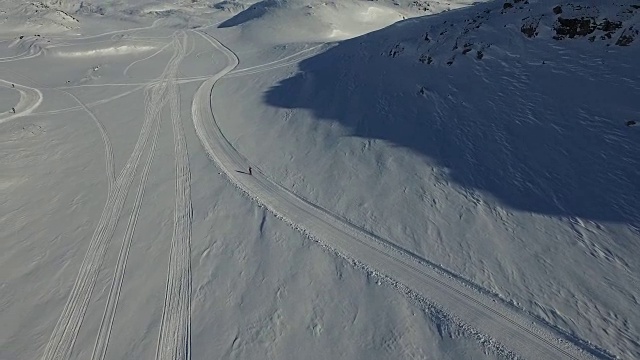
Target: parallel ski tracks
x=66, y=329
x=511, y=328
x=174, y=342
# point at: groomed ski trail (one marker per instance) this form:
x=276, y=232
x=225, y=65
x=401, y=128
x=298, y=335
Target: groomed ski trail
x=30, y=99
x=174, y=341
x=66, y=329
x=494, y=321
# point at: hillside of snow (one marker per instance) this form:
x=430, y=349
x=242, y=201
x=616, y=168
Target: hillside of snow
x=499, y=153
x=286, y=179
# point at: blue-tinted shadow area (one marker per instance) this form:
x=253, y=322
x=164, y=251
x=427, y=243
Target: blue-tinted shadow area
x=548, y=138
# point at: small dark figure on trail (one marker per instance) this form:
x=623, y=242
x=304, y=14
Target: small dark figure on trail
x=631, y=123
x=250, y=173
x=14, y=110
x=12, y=85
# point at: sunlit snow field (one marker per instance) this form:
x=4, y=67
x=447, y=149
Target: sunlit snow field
x=426, y=181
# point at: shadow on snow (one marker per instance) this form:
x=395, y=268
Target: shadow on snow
x=543, y=138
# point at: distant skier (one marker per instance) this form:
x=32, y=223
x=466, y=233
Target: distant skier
x=250, y=172
x=13, y=85
x=14, y=110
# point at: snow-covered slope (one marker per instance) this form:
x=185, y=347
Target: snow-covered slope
x=473, y=170
x=497, y=151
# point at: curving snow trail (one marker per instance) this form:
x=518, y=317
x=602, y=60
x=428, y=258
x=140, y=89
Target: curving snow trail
x=30, y=99
x=514, y=330
x=285, y=61
x=108, y=148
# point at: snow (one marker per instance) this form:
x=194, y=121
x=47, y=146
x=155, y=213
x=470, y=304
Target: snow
x=106, y=51
x=426, y=183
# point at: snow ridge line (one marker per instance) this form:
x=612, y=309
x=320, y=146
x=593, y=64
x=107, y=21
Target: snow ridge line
x=478, y=311
x=174, y=341
x=66, y=329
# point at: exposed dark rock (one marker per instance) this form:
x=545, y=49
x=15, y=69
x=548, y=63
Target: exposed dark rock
x=397, y=50
x=557, y=10
x=627, y=37
x=609, y=26
x=624, y=40
x=574, y=27
x=425, y=59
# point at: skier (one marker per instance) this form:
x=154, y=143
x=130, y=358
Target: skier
x=250, y=173
x=14, y=110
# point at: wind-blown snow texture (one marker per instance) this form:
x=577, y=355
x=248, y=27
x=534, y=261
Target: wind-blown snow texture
x=480, y=164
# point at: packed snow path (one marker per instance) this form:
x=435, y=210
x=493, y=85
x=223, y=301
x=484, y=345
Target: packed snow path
x=517, y=332
x=64, y=334
x=30, y=99
x=175, y=328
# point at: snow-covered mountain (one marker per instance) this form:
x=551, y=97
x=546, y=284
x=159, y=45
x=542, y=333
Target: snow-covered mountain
x=319, y=179
x=493, y=137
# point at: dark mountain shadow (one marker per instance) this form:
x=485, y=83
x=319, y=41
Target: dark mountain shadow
x=255, y=11
x=549, y=139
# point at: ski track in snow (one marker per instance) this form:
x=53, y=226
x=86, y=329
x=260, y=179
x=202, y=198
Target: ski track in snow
x=175, y=330
x=109, y=163
x=286, y=61
x=22, y=56
x=66, y=37
x=94, y=103
x=517, y=331
x=126, y=70
x=106, y=324
x=66, y=329
x=30, y=99
x=108, y=148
